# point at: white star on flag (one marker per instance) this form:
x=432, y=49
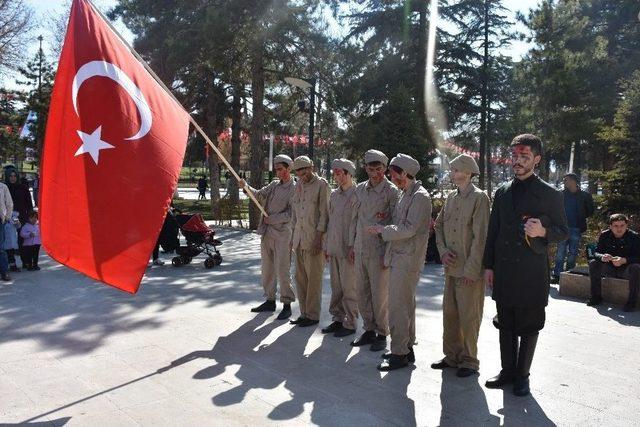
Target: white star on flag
x=92, y=144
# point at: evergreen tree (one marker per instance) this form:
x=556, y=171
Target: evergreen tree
x=622, y=184
x=38, y=76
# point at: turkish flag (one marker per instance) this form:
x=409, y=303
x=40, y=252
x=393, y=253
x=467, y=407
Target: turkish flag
x=113, y=150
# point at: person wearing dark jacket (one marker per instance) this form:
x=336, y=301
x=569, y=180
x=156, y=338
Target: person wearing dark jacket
x=578, y=206
x=527, y=216
x=22, y=204
x=617, y=255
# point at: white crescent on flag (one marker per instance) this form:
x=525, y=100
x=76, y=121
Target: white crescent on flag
x=106, y=69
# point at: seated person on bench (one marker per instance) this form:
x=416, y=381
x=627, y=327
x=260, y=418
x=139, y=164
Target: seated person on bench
x=617, y=255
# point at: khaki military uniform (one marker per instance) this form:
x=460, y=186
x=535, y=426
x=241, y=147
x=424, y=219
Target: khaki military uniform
x=461, y=228
x=310, y=204
x=276, y=233
x=344, y=296
x=374, y=206
x=407, y=236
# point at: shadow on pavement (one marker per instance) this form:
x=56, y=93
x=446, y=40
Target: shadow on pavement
x=463, y=401
x=65, y=311
x=612, y=311
x=521, y=411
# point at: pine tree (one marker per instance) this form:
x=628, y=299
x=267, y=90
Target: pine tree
x=38, y=76
x=622, y=184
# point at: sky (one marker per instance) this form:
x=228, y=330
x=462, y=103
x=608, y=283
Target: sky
x=46, y=8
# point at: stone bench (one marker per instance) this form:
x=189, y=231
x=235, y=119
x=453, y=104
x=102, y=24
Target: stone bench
x=579, y=286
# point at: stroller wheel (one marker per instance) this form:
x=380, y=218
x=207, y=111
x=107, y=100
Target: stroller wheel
x=177, y=261
x=217, y=259
x=209, y=263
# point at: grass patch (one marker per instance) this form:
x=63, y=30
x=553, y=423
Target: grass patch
x=202, y=207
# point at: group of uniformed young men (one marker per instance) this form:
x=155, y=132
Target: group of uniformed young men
x=374, y=237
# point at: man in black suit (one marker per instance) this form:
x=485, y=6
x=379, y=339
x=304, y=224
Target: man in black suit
x=527, y=215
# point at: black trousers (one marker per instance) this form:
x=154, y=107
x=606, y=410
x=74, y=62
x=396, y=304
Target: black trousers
x=522, y=321
x=630, y=272
x=30, y=255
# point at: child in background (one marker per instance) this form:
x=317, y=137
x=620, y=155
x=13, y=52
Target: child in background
x=30, y=232
x=11, y=240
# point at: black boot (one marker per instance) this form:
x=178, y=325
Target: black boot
x=411, y=357
x=508, y=357
x=366, y=338
x=393, y=362
x=334, y=326
x=525, y=357
x=268, y=305
x=379, y=344
x=285, y=313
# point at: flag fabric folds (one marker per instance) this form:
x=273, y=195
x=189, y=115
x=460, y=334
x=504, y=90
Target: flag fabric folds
x=113, y=150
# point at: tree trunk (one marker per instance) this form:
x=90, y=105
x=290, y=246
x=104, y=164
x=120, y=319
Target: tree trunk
x=236, y=120
x=488, y=148
x=211, y=109
x=483, y=106
x=421, y=65
x=257, y=127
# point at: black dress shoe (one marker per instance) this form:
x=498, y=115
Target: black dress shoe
x=365, y=339
x=268, y=305
x=393, y=362
x=344, y=332
x=333, y=327
x=441, y=364
x=629, y=307
x=297, y=321
x=521, y=386
x=411, y=357
x=465, y=372
x=379, y=344
x=5, y=277
x=307, y=322
x=500, y=380
x=594, y=301
x=285, y=313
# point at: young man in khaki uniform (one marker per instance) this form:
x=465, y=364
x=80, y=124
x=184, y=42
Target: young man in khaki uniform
x=461, y=232
x=276, y=232
x=338, y=245
x=407, y=238
x=310, y=204
x=375, y=200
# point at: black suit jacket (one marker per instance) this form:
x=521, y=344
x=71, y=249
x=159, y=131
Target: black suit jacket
x=521, y=269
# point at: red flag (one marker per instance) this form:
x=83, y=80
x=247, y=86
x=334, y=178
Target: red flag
x=113, y=150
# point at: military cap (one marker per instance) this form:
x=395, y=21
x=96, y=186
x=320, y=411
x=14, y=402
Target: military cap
x=376, y=156
x=302, y=162
x=282, y=158
x=406, y=163
x=465, y=163
x=344, y=164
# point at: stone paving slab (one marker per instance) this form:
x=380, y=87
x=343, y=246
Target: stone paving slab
x=186, y=351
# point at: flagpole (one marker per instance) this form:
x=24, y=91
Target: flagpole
x=191, y=119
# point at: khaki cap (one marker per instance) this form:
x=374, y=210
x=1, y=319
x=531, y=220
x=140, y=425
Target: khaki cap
x=406, y=163
x=465, y=163
x=345, y=164
x=282, y=158
x=376, y=156
x=302, y=162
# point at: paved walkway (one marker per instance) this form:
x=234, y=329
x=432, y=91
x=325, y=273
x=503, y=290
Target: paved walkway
x=187, y=351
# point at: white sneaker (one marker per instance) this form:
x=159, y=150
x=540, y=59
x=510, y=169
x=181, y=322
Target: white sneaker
x=158, y=262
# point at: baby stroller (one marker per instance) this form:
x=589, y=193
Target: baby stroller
x=199, y=238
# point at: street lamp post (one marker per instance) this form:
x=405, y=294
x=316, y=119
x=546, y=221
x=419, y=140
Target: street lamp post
x=310, y=85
